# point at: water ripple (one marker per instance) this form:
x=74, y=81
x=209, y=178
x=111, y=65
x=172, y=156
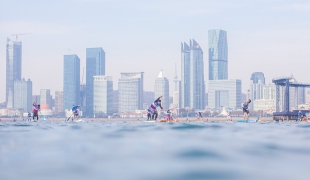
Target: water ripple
x=197, y=154
x=187, y=126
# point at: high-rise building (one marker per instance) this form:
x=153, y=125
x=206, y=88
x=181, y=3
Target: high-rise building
x=13, y=69
x=224, y=93
x=95, y=66
x=103, y=94
x=130, y=92
x=71, y=91
x=23, y=95
x=192, y=76
x=58, y=102
x=161, y=88
x=45, y=97
x=218, y=54
x=256, y=87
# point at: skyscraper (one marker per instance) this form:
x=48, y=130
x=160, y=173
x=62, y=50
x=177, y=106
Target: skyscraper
x=13, y=69
x=192, y=73
x=256, y=87
x=161, y=88
x=103, y=94
x=130, y=92
x=95, y=66
x=23, y=95
x=185, y=75
x=71, y=92
x=218, y=55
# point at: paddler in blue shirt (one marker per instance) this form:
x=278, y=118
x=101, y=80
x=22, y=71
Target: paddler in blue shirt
x=75, y=110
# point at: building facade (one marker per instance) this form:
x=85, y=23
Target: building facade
x=58, y=102
x=192, y=76
x=13, y=69
x=161, y=88
x=23, y=95
x=224, y=93
x=95, y=66
x=130, y=92
x=103, y=95
x=218, y=54
x=71, y=91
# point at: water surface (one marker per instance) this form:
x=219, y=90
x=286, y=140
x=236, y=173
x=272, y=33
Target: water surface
x=142, y=150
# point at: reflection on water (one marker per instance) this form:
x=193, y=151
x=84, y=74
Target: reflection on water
x=140, y=150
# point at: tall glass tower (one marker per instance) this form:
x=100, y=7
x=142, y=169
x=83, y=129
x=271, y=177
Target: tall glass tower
x=192, y=73
x=13, y=69
x=218, y=55
x=95, y=66
x=71, y=92
x=185, y=75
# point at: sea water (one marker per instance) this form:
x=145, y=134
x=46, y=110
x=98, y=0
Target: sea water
x=141, y=150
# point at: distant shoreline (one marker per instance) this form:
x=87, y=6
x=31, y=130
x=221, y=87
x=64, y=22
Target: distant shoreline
x=190, y=119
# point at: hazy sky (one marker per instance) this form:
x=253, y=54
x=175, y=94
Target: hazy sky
x=271, y=36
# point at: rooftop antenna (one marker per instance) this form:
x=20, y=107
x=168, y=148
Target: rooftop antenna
x=16, y=35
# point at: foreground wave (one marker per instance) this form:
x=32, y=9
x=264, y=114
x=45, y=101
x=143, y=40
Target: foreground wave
x=132, y=150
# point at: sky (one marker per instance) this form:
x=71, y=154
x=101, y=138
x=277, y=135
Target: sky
x=269, y=36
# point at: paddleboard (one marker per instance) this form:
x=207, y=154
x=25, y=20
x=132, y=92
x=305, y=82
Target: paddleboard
x=247, y=121
x=150, y=121
x=34, y=121
x=79, y=120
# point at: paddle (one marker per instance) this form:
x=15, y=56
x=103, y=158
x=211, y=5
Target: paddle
x=69, y=117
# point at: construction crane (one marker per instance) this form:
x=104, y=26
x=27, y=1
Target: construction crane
x=16, y=35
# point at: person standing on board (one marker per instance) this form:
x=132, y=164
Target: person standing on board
x=29, y=116
x=245, y=108
x=35, y=111
x=149, y=116
x=300, y=116
x=229, y=116
x=153, y=108
x=168, y=115
x=75, y=110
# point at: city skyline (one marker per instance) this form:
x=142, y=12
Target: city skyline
x=263, y=36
